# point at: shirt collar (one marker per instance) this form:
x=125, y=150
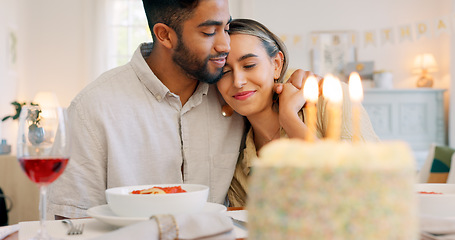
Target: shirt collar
x=149, y=79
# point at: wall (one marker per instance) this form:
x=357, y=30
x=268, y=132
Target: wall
x=58, y=40
x=8, y=60
x=8, y=22
x=306, y=16
x=55, y=51
x=52, y=44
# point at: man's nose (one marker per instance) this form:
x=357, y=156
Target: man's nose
x=222, y=43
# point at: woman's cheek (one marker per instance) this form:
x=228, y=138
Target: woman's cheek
x=223, y=87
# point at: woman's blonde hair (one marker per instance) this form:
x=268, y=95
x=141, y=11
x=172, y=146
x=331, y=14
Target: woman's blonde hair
x=271, y=42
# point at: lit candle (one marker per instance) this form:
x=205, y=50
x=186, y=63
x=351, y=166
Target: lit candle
x=356, y=94
x=334, y=95
x=310, y=93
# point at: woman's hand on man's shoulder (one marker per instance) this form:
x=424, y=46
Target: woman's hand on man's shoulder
x=297, y=79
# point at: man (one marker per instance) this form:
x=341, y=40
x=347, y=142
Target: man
x=156, y=119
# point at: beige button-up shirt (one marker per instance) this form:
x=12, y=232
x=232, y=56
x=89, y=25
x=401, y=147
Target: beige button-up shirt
x=129, y=129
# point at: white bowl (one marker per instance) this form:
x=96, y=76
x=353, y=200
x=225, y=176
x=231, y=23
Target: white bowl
x=437, y=205
x=125, y=204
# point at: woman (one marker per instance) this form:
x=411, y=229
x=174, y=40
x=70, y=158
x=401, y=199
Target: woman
x=257, y=60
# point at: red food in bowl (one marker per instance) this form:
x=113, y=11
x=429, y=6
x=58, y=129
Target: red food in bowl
x=156, y=190
x=423, y=192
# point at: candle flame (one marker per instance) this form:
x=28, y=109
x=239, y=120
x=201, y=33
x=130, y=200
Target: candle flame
x=332, y=89
x=355, y=87
x=311, y=89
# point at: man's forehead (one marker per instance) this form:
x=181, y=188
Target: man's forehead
x=211, y=12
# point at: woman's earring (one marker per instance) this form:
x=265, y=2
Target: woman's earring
x=226, y=110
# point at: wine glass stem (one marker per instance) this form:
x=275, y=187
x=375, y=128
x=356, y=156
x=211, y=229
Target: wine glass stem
x=43, y=210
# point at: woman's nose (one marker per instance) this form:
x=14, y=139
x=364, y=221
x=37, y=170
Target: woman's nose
x=239, y=80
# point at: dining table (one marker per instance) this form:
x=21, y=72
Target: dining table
x=440, y=224
x=443, y=228
x=240, y=232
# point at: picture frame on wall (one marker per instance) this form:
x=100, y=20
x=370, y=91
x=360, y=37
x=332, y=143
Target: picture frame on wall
x=364, y=68
x=332, y=51
x=11, y=51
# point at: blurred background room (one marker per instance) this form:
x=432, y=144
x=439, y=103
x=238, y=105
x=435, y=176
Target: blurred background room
x=58, y=47
x=55, y=48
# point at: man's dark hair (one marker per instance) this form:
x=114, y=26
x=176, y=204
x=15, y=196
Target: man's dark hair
x=170, y=12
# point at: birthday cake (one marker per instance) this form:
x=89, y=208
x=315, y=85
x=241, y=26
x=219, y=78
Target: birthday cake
x=332, y=190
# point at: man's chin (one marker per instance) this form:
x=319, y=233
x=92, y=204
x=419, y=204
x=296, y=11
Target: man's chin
x=211, y=78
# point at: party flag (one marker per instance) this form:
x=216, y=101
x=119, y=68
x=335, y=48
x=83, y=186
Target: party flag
x=404, y=33
x=369, y=38
x=452, y=18
x=423, y=29
x=387, y=36
x=441, y=25
x=296, y=39
x=314, y=40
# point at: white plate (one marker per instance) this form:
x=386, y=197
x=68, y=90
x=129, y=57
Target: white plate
x=104, y=214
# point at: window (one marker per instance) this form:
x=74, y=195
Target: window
x=128, y=28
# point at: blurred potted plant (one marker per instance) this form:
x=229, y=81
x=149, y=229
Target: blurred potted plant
x=4, y=147
x=18, y=107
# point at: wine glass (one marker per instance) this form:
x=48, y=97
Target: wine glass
x=43, y=150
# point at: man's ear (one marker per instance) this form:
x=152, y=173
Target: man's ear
x=165, y=35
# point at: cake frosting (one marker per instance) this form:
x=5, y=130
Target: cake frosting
x=332, y=190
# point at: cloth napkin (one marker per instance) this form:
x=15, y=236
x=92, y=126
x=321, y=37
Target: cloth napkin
x=191, y=226
x=7, y=230
x=242, y=215
x=58, y=230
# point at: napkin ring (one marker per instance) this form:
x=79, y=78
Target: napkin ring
x=167, y=226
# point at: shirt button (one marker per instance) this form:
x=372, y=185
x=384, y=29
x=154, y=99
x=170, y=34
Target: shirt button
x=158, y=97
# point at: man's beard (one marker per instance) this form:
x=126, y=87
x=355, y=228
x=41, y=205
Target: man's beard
x=194, y=66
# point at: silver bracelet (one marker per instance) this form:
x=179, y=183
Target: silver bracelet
x=167, y=226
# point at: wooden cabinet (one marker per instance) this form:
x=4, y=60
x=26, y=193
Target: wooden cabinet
x=23, y=192
x=412, y=115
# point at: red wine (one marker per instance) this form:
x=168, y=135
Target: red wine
x=43, y=170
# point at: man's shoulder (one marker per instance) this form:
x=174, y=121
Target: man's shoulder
x=115, y=72
x=105, y=83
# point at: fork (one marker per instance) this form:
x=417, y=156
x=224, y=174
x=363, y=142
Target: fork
x=239, y=223
x=74, y=229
